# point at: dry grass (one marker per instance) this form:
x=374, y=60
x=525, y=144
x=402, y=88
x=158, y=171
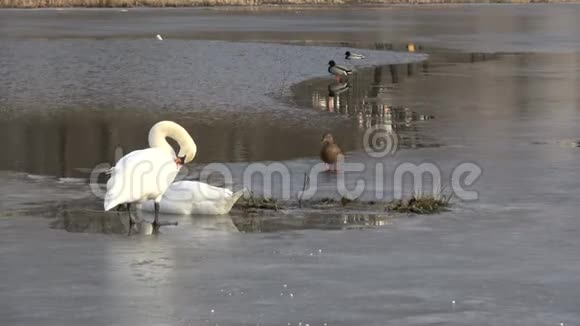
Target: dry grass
x=208, y=3
x=150, y=3
x=253, y=203
x=420, y=205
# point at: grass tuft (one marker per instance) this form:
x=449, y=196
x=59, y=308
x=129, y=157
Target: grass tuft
x=420, y=205
x=253, y=202
x=345, y=201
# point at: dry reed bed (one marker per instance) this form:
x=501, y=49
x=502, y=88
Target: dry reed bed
x=207, y=3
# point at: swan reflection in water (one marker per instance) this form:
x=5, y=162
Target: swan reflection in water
x=93, y=221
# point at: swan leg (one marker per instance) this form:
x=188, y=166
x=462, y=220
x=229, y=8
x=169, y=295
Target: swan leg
x=131, y=218
x=156, y=220
x=156, y=223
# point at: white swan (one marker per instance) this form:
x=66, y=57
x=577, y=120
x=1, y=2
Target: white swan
x=196, y=198
x=146, y=174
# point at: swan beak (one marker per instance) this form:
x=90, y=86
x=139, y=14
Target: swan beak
x=180, y=160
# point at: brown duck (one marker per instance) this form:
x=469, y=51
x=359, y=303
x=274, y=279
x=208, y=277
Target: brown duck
x=330, y=153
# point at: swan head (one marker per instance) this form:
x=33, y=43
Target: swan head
x=331, y=63
x=163, y=129
x=328, y=138
x=187, y=152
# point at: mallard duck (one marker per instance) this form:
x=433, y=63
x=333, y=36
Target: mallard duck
x=353, y=56
x=337, y=70
x=330, y=153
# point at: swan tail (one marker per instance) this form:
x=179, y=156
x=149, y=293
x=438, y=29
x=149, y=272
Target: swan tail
x=110, y=204
x=110, y=199
x=235, y=197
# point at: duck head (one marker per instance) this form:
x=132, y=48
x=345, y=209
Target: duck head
x=328, y=138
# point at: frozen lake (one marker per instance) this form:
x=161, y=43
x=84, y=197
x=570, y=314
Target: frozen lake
x=499, y=90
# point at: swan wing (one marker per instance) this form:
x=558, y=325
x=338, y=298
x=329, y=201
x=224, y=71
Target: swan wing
x=139, y=176
x=196, y=198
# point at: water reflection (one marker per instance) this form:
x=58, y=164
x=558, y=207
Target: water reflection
x=82, y=220
x=367, y=97
x=93, y=221
x=78, y=220
x=336, y=89
x=362, y=94
x=310, y=220
x=362, y=98
x=70, y=145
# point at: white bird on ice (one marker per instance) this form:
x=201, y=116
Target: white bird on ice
x=146, y=174
x=196, y=198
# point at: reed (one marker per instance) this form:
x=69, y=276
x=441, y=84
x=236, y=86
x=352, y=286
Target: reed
x=150, y=3
x=211, y=3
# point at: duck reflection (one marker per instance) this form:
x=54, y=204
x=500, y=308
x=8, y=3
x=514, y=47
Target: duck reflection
x=365, y=98
x=333, y=99
x=335, y=89
x=361, y=95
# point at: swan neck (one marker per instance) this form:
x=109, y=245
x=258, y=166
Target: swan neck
x=161, y=130
x=158, y=135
